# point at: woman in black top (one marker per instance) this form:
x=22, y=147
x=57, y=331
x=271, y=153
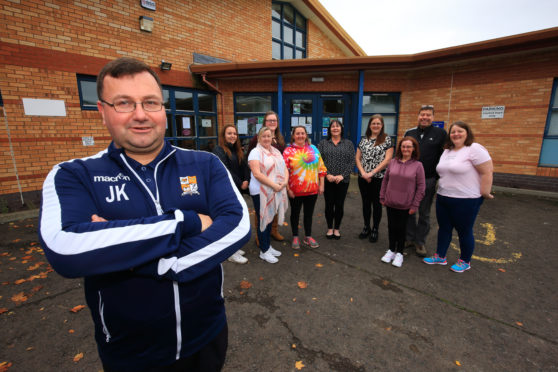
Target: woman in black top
x=338, y=154
x=231, y=155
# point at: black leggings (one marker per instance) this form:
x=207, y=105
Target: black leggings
x=309, y=201
x=370, y=194
x=334, y=196
x=397, y=226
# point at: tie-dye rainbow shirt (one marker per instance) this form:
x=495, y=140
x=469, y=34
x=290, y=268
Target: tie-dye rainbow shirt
x=305, y=166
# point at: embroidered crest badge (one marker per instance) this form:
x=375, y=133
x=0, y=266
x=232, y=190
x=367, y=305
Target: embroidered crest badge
x=189, y=185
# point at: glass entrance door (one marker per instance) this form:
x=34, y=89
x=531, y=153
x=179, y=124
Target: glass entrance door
x=314, y=111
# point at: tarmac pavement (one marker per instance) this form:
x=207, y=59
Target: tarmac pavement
x=353, y=312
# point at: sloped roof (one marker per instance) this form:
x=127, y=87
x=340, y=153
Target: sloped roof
x=536, y=40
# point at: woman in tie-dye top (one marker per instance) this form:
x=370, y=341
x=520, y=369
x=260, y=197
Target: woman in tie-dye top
x=306, y=181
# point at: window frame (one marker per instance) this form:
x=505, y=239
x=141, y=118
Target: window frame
x=548, y=138
x=244, y=139
x=294, y=27
x=90, y=79
x=385, y=114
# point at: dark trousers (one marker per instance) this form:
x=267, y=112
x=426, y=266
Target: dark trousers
x=334, y=196
x=461, y=215
x=264, y=237
x=210, y=358
x=418, y=231
x=370, y=194
x=308, y=201
x=397, y=226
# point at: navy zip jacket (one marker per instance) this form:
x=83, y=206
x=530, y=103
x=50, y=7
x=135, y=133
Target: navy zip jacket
x=153, y=280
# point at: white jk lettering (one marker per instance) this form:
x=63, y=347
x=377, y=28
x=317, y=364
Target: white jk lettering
x=116, y=192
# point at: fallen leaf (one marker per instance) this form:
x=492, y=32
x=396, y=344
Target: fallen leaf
x=4, y=366
x=299, y=365
x=385, y=282
x=302, y=285
x=457, y=362
x=241, y=292
x=19, y=297
x=27, y=258
x=3, y=310
x=519, y=324
x=29, y=226
x=35, y=267
x=13, y=258
x=502, y=270
x=261, y=277
x=388, y=329
x=78, y=357
x=19, y=281
x=30, y=348
x=4, y=254
x=294, y=299
x=77, y=308
x=15, y=240
x=351, y=299
x=71, y=331
x=37, y=288
x=285, y=224
x=293, y=346
x=296, y=254
x=245, y=284
x=319, y=265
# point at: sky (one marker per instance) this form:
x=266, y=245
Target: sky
x=390, y=27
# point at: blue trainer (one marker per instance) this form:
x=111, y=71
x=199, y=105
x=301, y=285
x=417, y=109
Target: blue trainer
x=460, y=266
x=435, y=260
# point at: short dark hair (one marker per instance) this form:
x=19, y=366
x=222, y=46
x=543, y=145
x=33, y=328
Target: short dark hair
x=123, y=67
x=470, y=136
x=427, y=108
x=293, y=129
x=416, y=151
x=334, y=121
x=382, y=135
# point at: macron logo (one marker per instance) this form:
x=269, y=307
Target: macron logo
x=119, y=177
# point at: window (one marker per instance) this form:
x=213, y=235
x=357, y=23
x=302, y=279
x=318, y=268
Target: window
x=385, y=104
x=249, y=111
x=549, y=149
x=87, y=88
x=288, y=32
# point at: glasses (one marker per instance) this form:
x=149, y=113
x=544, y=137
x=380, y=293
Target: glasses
x=427, y=107
x=124, y=105
x=271, y=120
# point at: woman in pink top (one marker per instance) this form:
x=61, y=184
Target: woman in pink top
x=402, y=191
x=465, y=170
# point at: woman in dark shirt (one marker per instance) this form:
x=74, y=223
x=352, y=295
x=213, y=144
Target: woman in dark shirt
x=338, y=154
x=231, y=155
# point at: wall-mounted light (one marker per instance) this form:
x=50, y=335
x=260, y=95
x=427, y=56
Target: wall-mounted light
x=318, y=79
x=146, y=23
x=165, y=66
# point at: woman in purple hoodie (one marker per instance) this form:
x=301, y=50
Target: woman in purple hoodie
x=401, y=193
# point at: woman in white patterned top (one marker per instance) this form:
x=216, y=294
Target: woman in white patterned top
x=373, y=154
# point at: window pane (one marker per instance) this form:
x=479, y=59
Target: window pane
x=254, y=124
x=300, y=21
x=389, y=125
x=166, y=100
x=207, y=126
x=288, y=35
x=333, y=106
x=276, y=29
x=206, y=102
x=185, y=126
x=288, y=14
x=276, y=50
x=276, y=10
x=301, y=106
x=168, y=130
x=252, y=104
x=549, y=152
x=555, y=103
x=378, y=103
x=553, y=125
x=88, y=93
x=207, y=144
x=287, y=52
x=186, y=144
x=184, y=101
x=299, y=39
x=299, y=54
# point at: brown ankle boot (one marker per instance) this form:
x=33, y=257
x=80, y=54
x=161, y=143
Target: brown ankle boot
x=255, y=228
x=274, y=232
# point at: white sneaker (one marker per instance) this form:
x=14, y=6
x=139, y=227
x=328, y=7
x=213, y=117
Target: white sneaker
x=237, y=258
x=274, y=251
x=398, y=260
x=388, y=257
x=241, y=252
x=267, y=256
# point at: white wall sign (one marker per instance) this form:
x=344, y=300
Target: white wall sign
x=44, y=107
x=493, y=112
x=148, y=4
x=88, y=141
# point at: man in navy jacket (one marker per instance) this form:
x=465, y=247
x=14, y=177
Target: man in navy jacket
x=147, y=225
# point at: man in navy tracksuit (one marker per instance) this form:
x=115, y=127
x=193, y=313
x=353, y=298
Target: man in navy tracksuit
x=147, y=225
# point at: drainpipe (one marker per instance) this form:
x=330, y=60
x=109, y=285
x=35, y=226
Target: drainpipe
x=280, y=102
x=218, y=92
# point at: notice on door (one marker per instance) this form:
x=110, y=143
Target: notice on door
x=493, y=112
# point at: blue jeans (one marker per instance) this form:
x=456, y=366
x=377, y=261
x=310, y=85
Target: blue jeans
x=263, y=236
x=461, y=215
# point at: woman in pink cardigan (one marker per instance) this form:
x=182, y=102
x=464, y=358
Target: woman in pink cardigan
x=401, y=193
